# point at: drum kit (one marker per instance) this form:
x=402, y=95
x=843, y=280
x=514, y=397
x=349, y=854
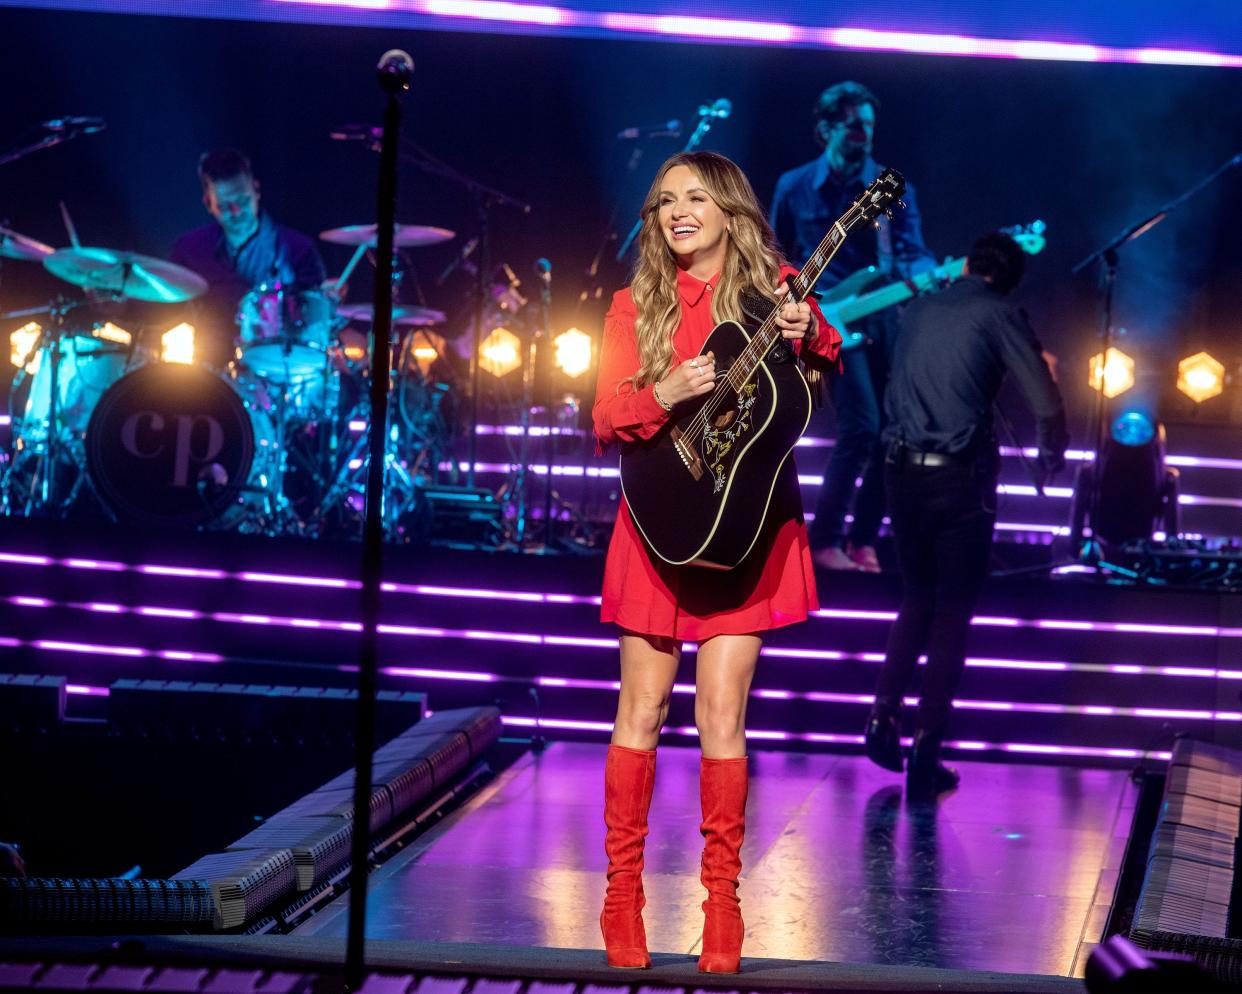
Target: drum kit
x=107, y=420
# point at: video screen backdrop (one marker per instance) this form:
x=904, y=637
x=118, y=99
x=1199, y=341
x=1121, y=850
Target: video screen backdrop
x=1143, y=31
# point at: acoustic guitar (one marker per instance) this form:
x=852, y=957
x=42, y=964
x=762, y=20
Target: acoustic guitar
x=699, y=490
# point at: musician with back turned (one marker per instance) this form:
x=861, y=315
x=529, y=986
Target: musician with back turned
x=807, y=200
x=243, y=248
x=952, y=354
x=704, y=245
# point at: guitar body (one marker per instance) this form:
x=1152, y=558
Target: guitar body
x=699, y=491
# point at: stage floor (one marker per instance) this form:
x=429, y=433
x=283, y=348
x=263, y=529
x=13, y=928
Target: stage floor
x=1013, y=872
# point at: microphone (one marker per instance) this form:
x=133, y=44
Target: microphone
x=669, y=129
x=543, y=273
x=459, y=260
x=721, y=108
x=356, y=132
x=394, y=71
x=77, y=125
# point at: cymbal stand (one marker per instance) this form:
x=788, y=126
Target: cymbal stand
x=517, y=495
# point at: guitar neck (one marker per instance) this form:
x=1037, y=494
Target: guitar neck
x=886, y=188
x=799, y=288
x=867, y=304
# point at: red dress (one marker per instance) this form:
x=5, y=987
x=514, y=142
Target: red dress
x=775, y=584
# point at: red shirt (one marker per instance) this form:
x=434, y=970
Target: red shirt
x=775, y=584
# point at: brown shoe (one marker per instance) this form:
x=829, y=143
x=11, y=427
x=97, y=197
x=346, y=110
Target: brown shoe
x=833, y=557
x=864, y=557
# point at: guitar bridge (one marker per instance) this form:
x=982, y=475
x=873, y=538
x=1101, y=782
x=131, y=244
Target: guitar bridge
x=690, y=459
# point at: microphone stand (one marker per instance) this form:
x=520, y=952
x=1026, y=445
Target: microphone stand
x=1091, y=553
x=696, y=137
x=394, y=73
x=485, y=198
x=25, y=145
x=549, y=445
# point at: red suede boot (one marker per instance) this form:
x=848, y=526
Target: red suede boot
x=629, y=777
x=722, y=789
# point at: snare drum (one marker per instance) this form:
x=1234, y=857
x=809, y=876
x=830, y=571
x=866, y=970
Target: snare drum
x=284, y=334
x=174, y=444
x=88, y=365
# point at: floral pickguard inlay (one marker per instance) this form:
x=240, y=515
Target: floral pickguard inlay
x=720, y=443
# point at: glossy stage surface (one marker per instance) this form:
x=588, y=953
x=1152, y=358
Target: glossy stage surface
x=1013, y=872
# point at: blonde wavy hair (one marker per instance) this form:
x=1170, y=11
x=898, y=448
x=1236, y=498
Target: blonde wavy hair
x=752, y=260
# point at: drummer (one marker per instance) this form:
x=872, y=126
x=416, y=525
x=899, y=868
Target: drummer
x=243, y=248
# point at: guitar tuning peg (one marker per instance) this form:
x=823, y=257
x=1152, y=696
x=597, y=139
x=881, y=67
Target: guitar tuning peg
x=876, y=224
x=888, y=212
x=901, y=204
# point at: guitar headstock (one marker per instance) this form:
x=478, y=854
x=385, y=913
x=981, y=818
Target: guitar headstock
x=880, y=196
x=1030, y=237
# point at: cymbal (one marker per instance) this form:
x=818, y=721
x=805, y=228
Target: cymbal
x=15, y=246
x=406, y=315
x=404, y=236
x=126, y=274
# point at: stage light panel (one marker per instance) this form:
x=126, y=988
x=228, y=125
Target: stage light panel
x=22, y=343
x=1112, y=371
x=501, y=352
x=573, y=352
x=1200, y=377
x=177, y=344
x=110, y=332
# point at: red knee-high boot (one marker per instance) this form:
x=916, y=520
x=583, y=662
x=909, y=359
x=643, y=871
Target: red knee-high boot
x=722, y=788
x=629, y=777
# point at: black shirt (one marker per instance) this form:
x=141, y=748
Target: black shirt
x=951, y=355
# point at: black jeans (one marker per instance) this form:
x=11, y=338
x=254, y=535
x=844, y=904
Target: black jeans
x=942, y=525
x=858, y=399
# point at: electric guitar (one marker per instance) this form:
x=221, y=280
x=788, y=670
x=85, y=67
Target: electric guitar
x=842, y=309
x=699, y=490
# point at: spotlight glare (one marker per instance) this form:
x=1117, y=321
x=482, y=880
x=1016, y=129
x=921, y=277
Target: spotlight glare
x=1200, y=377
x=1114, y=373
x=500, y=353
x=22, y=343
x=1134, y=428
x=177, y=344
x=573, y=352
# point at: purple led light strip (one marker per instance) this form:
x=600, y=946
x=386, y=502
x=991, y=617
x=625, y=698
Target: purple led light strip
x=762, y=735
x=1028, y=748
x=820, y=442
x=780, y=33
x=1126, y=627
x=609, y=643
x=812, y=480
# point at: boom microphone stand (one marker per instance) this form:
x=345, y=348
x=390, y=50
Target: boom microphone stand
x=718, y=110
x=1109, y=259
x=394, y=70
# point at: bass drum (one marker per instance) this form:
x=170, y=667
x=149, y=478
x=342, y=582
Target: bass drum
x=178, y=445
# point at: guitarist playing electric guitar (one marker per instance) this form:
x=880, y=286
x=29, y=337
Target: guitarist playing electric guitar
x=806, y=201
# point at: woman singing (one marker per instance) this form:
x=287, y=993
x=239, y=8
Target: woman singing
x=704, y=243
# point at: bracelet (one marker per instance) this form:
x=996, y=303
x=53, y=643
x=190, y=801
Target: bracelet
x=655, y=392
